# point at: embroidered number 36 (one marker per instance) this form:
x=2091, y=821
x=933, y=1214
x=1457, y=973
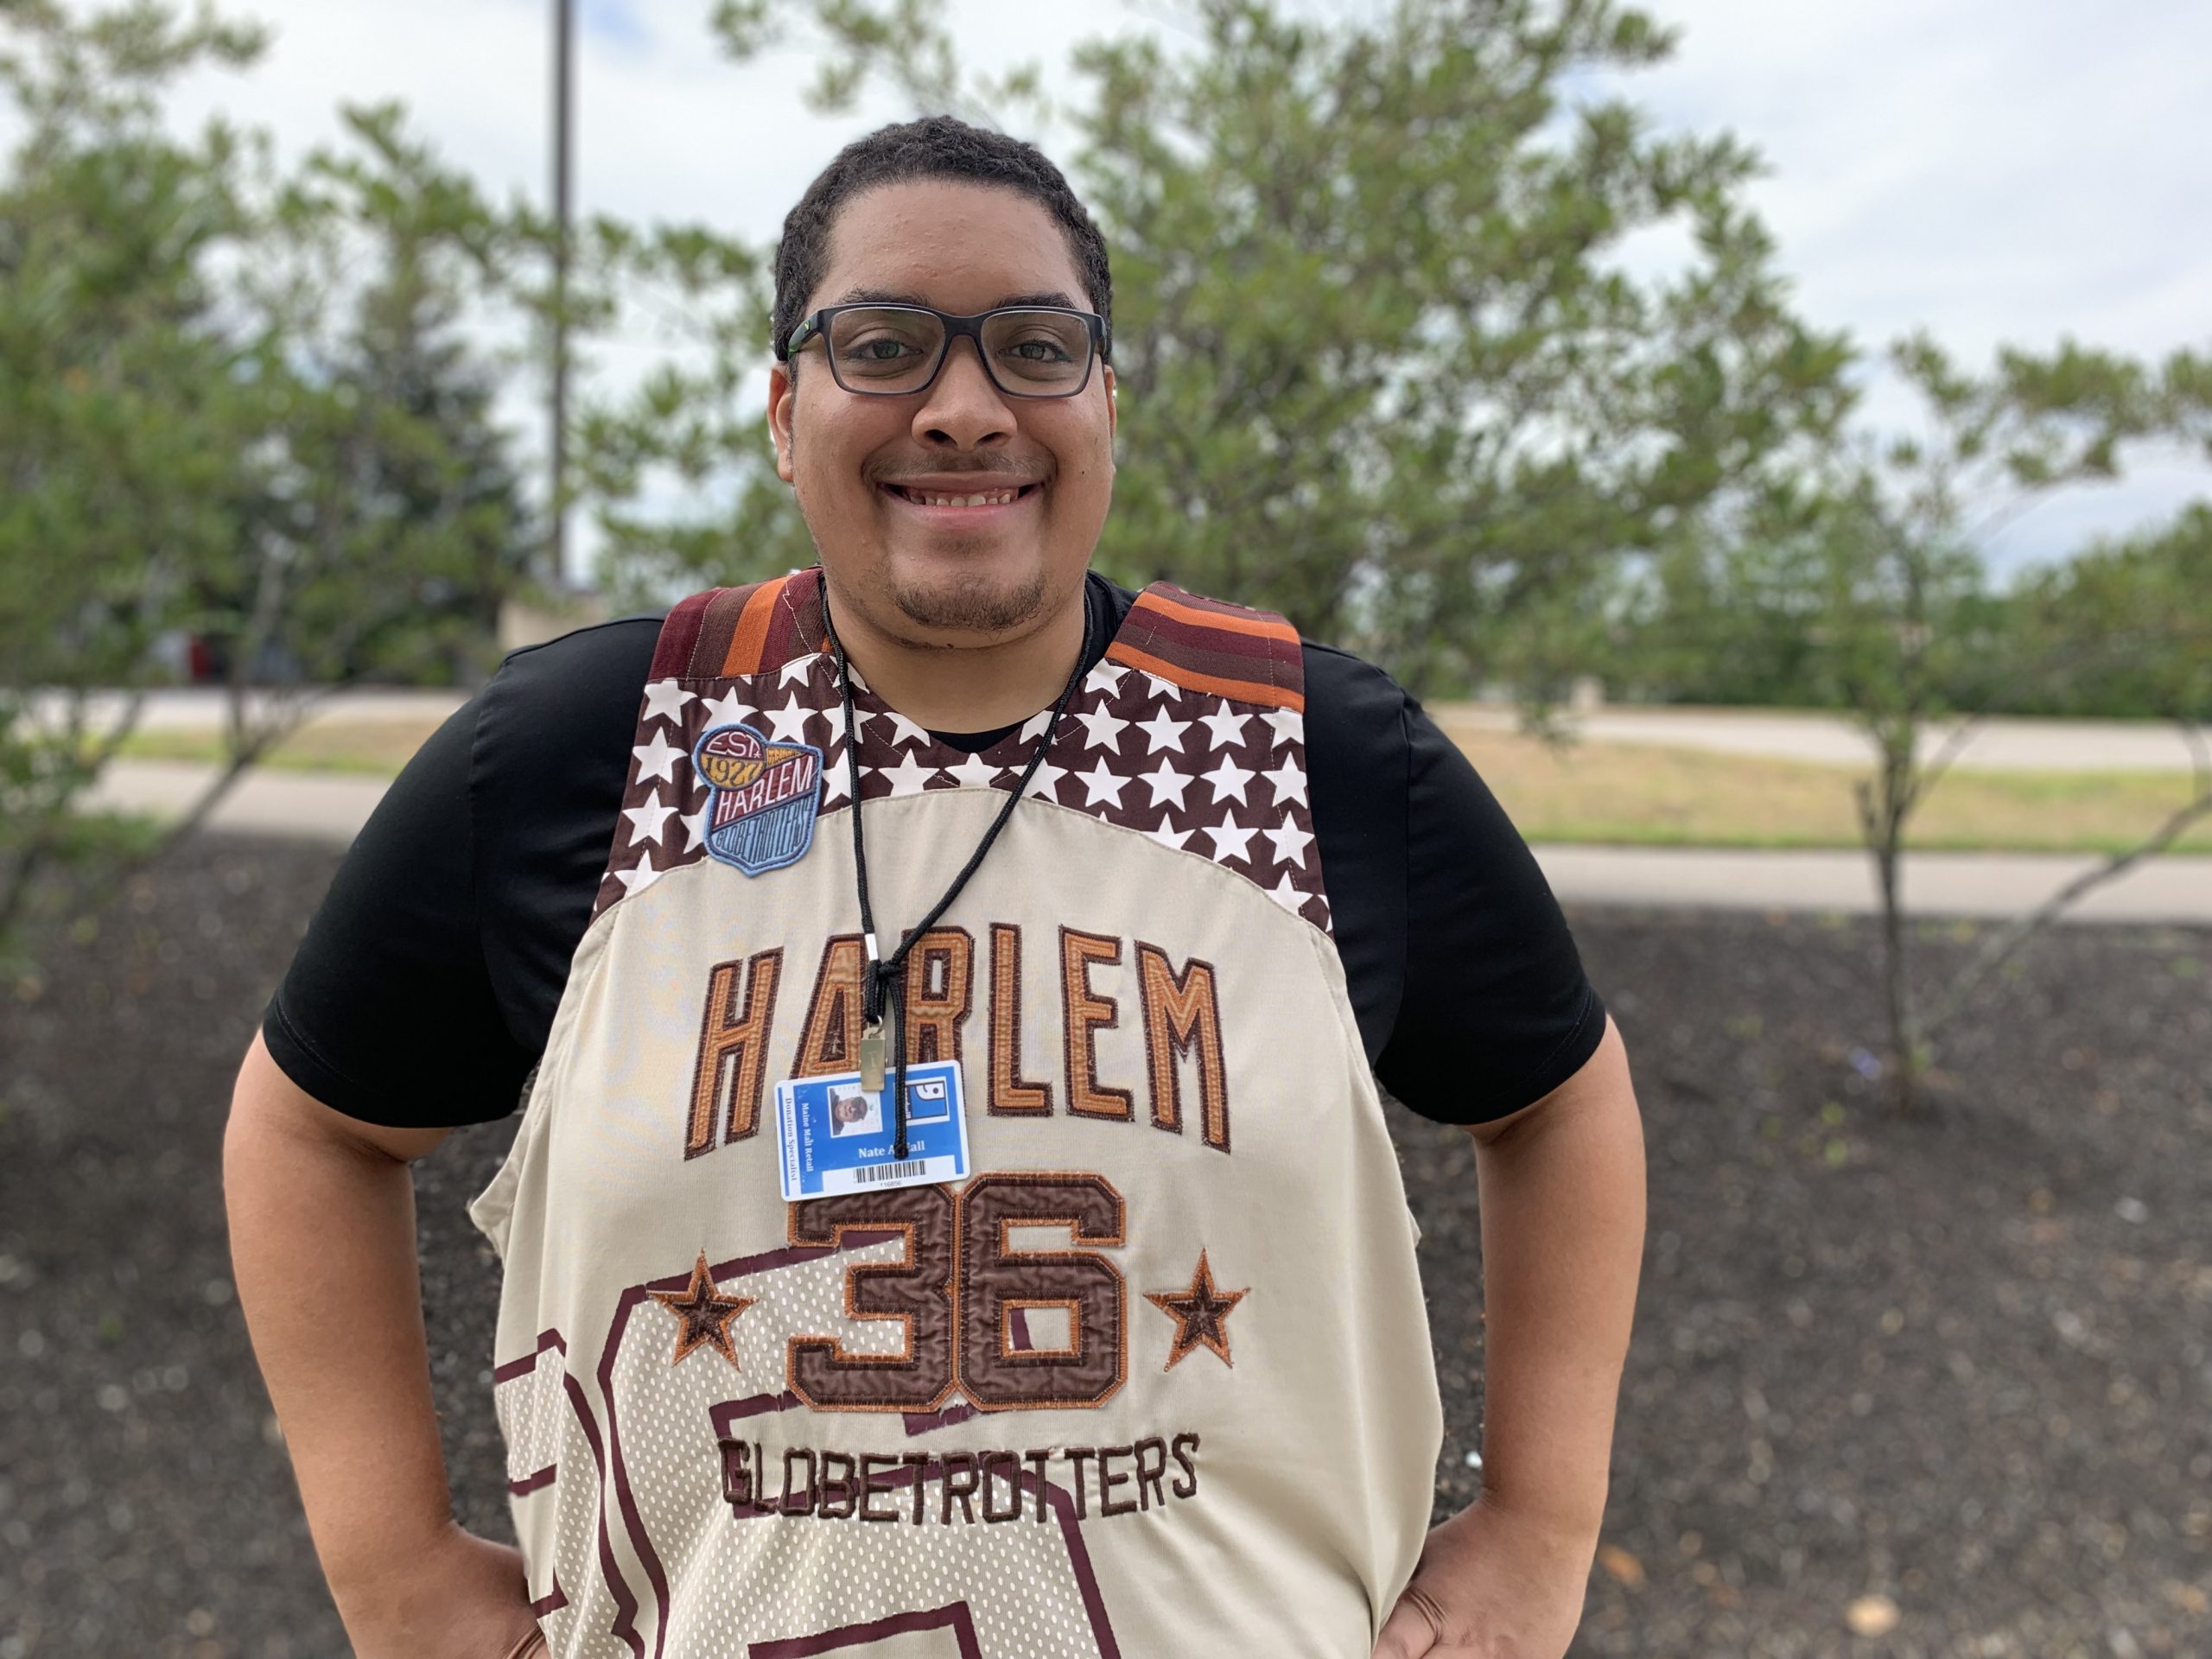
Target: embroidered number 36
x=965, y=1292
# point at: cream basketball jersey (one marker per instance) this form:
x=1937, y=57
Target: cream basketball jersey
x=1153, y=1376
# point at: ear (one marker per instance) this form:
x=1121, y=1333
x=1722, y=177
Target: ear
x=780, y=393
x=1109, y=369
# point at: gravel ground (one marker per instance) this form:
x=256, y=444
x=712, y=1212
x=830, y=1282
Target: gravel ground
x=1897, y=1389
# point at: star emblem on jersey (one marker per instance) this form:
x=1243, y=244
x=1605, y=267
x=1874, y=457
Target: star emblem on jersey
x=657, y=759
x=665, y=700
x=975, y=772
x=1201, y=1315
x=706, y=1313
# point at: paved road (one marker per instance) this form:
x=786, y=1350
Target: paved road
x=331, y=807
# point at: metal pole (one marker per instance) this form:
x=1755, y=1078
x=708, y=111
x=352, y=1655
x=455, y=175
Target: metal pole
x=564, y=91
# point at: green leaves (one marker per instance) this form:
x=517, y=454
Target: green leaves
x=232, y=401
x=1371, y=324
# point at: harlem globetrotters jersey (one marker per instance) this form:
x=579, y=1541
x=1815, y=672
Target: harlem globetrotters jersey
x=1152, y=1378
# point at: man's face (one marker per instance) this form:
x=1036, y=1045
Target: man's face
x=947, y=576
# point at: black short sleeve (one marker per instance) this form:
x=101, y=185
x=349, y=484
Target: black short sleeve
x=1496, y=1011
x=426, y=986
x=387, y=1014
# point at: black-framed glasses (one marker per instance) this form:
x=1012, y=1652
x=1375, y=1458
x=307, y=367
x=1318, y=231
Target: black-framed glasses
x=895, y=351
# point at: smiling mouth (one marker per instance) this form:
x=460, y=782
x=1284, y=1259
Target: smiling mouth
x=973, y=499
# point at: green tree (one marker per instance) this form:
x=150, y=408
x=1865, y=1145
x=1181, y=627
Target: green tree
x=231, y=402
x=124, y=418
x=2154, y=591
x=389, y=523
x=1909, y=641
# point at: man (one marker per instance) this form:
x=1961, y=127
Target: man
x=1115, y=905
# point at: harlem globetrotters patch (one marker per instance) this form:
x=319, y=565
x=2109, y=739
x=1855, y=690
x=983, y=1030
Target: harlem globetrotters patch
x=761, y=797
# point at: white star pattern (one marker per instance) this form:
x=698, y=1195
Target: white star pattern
x=658, y=759
x=835, y=716
x=1229, y=839
x=646, y=820
x=1247, y=742
x=909, y=777
x=727, y=709
x=1102, y=728
x=1289, y=781
x=1290, y=841
x=1165, y=734
x=1228, y=729
x=1045, y=785
x=665, y=700
x=637, y=881
x=903, y=730
x=1228, y=779
x=1100, y=785
x=1166, y=782
x=1167, y=835
x=788, y=723
x=974, y=773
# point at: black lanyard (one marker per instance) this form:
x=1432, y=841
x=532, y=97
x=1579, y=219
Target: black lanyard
x=882, y=980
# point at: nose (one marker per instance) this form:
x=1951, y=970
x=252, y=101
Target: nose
x=962, y=407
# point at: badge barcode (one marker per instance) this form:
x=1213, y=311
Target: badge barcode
x=869, y=1174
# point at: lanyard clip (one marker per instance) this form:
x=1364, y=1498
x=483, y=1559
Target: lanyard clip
x=872, y=1058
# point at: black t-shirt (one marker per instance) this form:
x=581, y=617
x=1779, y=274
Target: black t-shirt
x=425, y=988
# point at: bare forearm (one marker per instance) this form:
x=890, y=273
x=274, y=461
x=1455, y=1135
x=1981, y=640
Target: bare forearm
x=1562, y=1220
x=322, y=1243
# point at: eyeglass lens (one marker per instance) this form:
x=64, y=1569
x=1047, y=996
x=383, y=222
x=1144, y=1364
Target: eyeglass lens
x=888, y=349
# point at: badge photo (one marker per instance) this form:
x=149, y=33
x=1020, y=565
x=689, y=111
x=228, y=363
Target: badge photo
x=762, y=797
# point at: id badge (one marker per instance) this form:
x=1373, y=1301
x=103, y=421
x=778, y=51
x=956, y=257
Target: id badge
x=834, y=1136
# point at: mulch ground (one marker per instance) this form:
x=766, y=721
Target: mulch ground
x=1951, y=1380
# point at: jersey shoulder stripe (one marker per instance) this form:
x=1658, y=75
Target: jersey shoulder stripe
x=724, y=631
x=1212, y=646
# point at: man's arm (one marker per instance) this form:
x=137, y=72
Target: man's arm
x=321, y=1213
x=1562, y=1194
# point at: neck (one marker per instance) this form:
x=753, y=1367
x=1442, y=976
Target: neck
x=945, y=687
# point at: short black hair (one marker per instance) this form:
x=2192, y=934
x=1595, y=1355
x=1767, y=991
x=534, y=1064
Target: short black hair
x=934, y=146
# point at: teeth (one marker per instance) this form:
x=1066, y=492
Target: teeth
x=996, y=499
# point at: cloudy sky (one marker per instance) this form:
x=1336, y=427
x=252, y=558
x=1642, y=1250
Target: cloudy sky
x=1997, y=170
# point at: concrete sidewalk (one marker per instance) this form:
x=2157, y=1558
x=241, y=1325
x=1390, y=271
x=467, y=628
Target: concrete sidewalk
x=331, y=807
x=1998, y=744
x=1935, y=884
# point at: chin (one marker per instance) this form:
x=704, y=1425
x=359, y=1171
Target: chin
x=973, y=602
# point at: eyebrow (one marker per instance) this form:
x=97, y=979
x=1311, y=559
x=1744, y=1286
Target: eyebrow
x=893, y=296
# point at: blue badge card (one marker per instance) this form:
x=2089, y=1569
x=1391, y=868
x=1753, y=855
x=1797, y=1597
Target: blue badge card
x=834, y=1136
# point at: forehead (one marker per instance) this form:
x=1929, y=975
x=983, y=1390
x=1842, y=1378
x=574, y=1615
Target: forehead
x=952, y=244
